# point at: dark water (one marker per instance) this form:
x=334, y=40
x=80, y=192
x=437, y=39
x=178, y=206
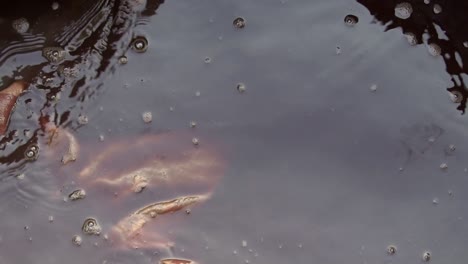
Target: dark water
x=335, y=150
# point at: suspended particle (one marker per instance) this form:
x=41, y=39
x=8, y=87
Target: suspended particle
x=77, y=195
x=338, y=50
x=427, y=2
x=351, y=20
x=403, y=10
x=391, y=250
x=437, y=9
x=123, y=60
x=140, y=44
x=197, y=93
x=465, y=44
x=147, y=117
x=241, y=87
x=435, y=201
x=207, y=60
x=195, y=141
x=193, y=124
x=51, y=218
x=239, y=22
x=91, y=227
x=244, y=243
x=54, y=54
x=426, y=256
x=101, y=137
x=373, y=88
x=20, y=25
x=77, y=240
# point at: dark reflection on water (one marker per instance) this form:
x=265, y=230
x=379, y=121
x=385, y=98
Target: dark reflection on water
x=428, y=26
x=93, y=35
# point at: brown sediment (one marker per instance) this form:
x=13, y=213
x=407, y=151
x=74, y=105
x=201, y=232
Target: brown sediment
x=8, y=99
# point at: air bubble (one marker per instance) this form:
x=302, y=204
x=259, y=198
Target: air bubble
x=241, y=87
x=83, y=119
x=373, y=88
x=193, y=124
x=351, y=20
x=437, y=9
x=391, y=250
x=465, y=44
x=435, y=201
x=91, y=227
x=197, y=93
x=239, y=22
x=244, y=243
x=140, y=44
x=426, y=256
x=77, y=240
x=32, y=152
x=55, y=6
x=427, y=2
x=20, y=25
x=434, y=49
x=147, y=117
x=51, y=218
x=456, y=96
x=77, y=195
x=411, y=38
x=54, y=54
x=338, y=50
x=123, y=60
x=403, y=10
x=207, y=60
x=101, y=137
x=443, y=166
x=195, y=141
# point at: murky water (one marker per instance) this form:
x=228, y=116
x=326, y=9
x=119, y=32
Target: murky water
x=324, y=131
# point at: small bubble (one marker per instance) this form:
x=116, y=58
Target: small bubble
x=411, y=38
x=456, y=96
x=234, y=252
x=443, y=166
x=437, y=9
x=101, y=137
x=187, y=211
x=451, y=147
x=54, y=54
x=147, y=117
x=391, y=250
x=239, y=22
x=299, y=245
x=195, y=141
x=20, y=25
x=373, y=87
x=247, y=261
x=450, y=192
x=171, y=109
x=193, y=124
x=465, y=44
x=153, y=214
x=244, y=243
x=197, y=93
x=351, y=20
x=32, y=152
x=207, y=60
x=280, y=246
x=26, y=227
x=431, y=139
x=435, y=201
x=83, y=119
x=51, y=218
x=91, y=227
x=123, y=60
x=434, y=49
x=403, y=10
x=55, y=6
x=427, y=2
x=140, y=44
x=77, y=240
x=338, y=50
x=77, y=195
x=426, y=256
x=241, y=87
x=20, y=176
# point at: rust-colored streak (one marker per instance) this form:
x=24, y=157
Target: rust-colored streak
x=8, y=99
